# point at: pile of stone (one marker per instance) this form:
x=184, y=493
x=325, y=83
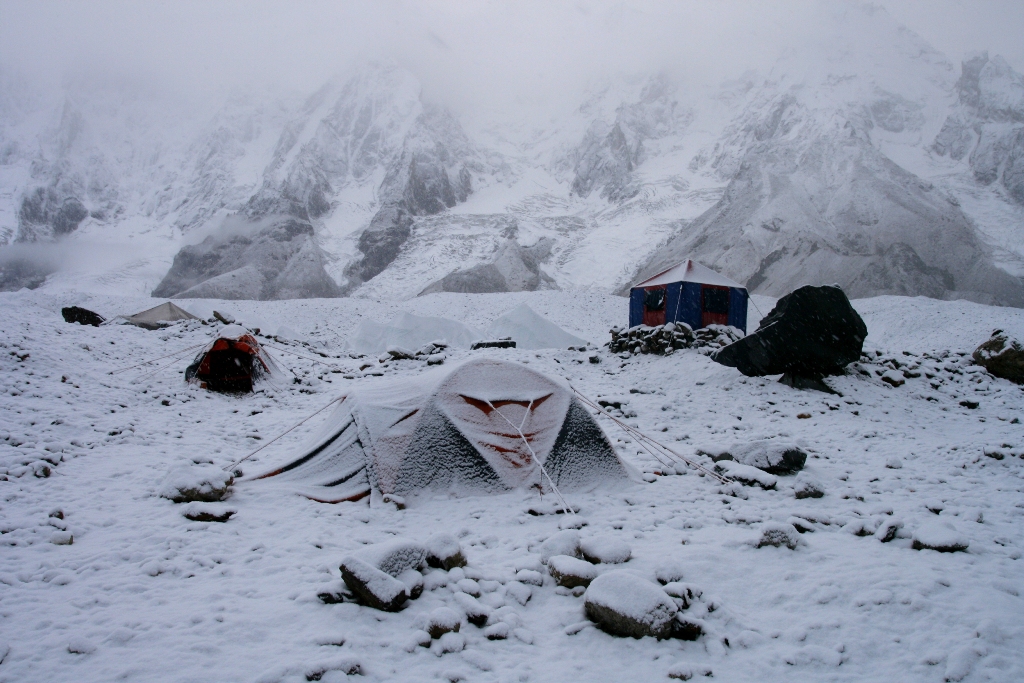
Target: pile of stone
x=433, y=353
x=661, y=340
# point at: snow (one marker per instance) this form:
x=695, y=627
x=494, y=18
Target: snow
x=411, y=332
x=164, y=598
x=605, y=550
x=532, y=331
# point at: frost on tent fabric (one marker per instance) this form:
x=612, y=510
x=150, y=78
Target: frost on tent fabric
x=232, y=362
x=484, y=426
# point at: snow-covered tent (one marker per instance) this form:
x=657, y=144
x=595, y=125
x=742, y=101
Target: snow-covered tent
x=410, y=332
x=532, y=331
x=165, y=312
x=691, y=293
x=485, y=426
x=234, y=361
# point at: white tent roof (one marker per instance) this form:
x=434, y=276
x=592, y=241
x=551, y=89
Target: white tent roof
x=689, y=271
x=483, y=425
x=164, y=312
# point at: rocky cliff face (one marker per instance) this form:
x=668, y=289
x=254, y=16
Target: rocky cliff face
x=987, y=126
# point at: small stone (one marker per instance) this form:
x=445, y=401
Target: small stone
x=807, y=488
x=969, y=404
x=605, y=550
x=395, y=557
x=476, y=612
x=941, y=536
x=449, y=642
x=62, y=538
x=746, y=475
x=469, y=586
x=894, y=378
x=894, y=463
x=566, y=542
x=444, y=552
x=373, y=587
x=779, y=534
x=570, y=572
x=204, y=483
x=413, y=581
x=498, y=631
x=670, y=572
x=528, y=576
x=443, y=620
x=519, y=592
x=625, y=604
x=200, y=512
x=81, y=646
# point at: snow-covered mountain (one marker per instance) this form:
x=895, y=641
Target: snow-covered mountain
x=865, y=158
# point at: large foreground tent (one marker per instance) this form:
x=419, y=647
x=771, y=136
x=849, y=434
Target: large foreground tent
x=691, y=293
x=484, y=426
x=164, y=313
x=234, y=361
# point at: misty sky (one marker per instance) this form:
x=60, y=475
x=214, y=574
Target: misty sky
x=518, y=51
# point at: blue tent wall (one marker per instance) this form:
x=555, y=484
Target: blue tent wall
x=738, y=308
x=636, y=306
x=672, y=301
x=689, y=305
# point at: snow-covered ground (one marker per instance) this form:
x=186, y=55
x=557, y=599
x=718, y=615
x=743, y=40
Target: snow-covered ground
x=143, y=594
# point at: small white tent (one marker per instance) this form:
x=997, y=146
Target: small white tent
x=532, y=331
x=410, y=331
x=165, y=312
x=484, y=426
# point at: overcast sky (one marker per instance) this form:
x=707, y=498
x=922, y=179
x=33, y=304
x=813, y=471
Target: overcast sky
x=490, y=47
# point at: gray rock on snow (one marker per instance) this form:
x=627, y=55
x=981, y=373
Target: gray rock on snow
x=1003, y=356
x=373, y=587
x=937, y=535
x=625, y=604
x=203, y=483
x=772, y=456
x=444, y=552
x=779, y=534
x=571, y=572
x=441, y=621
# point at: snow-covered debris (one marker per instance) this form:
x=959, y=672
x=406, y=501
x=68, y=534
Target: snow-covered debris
x=625, y=604
x=206, y=512
x=395, y=557
x=779, y=534
x=443, y=620
x=1003, y=356
x=660, y=339
x=444, y=552
x=529, y=576
x=188, y=483
x=373, y=587
x=565, y=542
x=571, y=572
x=935, y=534
x=78, y=645
x=532, y=331
x=771, y=455
x=413, y=581
x=669, y=572
x=745, y=474
x=477, y=613
x=82, y=316
x=605, y=550
x=806, y=487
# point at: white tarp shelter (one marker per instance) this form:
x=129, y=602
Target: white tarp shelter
x=165, y=312
x=484, y=426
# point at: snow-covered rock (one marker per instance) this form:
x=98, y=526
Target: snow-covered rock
x=779, y=534
x=443, y=620
x=395, y=557
x=625, y=604
x=935, y=534
x=771, y=455
x=444, y=552
x=565, y=542
x=188, y=483
x=570, y=572
x=605, y=550
x=1003, y=356
x=373, y=587
x=745, y=474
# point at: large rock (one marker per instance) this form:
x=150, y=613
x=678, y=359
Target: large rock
x=775, y=457
x=204, y=483
x=395, y=557
x=373, y=587
x=625, y=604
x=1003, y=356
x=811, y=332
x=82, y=316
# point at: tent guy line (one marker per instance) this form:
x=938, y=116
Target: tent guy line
x=153, y=360
x=294, y=426
x=646, y=441
x=565, y=506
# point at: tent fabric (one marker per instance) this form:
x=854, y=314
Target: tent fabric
x=689, y=271
x=410, y=331
x=234, y=361
x=531, y=330
x=454, y=430
x=165, y=312
x=690, y=293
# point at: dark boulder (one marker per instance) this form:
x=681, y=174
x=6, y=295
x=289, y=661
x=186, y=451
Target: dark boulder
x=811, y=332
x=82, y=316
x=1002, y=356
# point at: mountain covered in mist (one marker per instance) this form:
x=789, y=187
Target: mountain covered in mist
x=868, y=160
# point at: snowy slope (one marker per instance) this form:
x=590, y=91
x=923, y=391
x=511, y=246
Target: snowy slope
x=143, y=594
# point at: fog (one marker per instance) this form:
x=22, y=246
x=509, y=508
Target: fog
x=525, y=55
